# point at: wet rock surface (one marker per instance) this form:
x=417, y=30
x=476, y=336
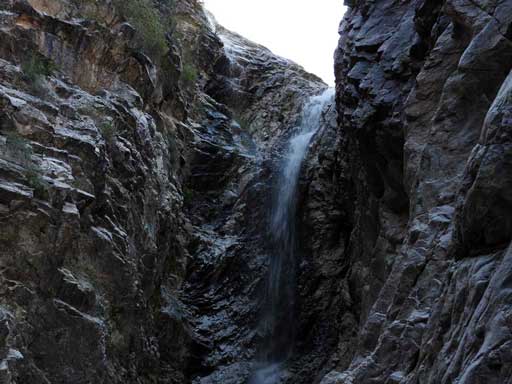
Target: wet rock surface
x=419, y=171
x=231, y=200
x=135, y=194
x=93, y=245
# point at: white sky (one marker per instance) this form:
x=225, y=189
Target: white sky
x=304, y=31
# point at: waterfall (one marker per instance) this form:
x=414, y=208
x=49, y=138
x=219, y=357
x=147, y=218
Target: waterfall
x=279, y=311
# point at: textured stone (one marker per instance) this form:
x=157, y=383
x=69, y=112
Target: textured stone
x=135, y=196
x=130, y=247
x=429, y=230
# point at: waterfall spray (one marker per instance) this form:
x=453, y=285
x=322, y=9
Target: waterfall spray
x=279, y=311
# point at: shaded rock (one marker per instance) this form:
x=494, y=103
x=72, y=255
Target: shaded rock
x=417, y=100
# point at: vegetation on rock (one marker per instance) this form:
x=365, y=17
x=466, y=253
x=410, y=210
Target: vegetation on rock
x=108, y=130
x=35, y=69
x=146, y=19
x=19, y=151
x=189, y=75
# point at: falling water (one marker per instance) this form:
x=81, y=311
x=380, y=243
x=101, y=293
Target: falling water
x=279, y=312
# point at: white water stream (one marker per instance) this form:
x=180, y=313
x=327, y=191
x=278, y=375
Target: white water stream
x=279, y=312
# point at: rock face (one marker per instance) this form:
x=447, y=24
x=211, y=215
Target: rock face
x=93, y=246
x=136, y=172
x=232, y=191
x=133, y=190
x=408, y=217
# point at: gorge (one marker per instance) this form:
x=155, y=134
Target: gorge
x=180, y=205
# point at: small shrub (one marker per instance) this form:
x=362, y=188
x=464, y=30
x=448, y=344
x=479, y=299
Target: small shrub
x=35, y=69
x=18, y=149
x=108, y=131
x=189, y=75
x=35, y=181
x=145, y=18
x=20, y=152
x=90, y=9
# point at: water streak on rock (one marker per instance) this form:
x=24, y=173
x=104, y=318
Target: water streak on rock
x=278, y=317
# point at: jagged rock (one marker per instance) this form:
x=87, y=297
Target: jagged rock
x=428, y=189
x=131, y=195
x=135, y=195
x=92, y=227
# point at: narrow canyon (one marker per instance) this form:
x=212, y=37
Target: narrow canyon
x=180, y=205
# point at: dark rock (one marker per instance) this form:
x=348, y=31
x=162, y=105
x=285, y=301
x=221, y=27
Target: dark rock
x=135, y=194
x=428, y=230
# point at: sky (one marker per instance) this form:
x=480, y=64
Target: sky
x=304, y=31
